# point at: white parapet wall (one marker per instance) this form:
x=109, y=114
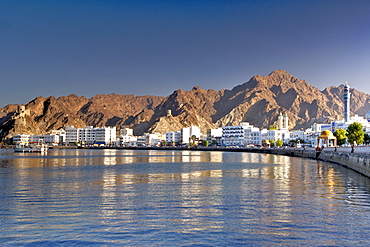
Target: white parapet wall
x=357, y=149
x=348, y=149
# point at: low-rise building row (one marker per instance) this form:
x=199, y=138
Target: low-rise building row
x=241, y=135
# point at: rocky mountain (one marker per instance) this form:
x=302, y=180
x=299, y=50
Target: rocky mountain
x=258, y=101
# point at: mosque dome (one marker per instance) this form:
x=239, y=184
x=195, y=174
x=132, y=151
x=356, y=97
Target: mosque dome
x=367, y=115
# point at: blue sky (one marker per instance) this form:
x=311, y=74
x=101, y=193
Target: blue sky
x=89, y=47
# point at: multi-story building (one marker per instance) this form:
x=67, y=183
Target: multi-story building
x=190, y=134
x=147, y=139
x=91, y=135
x=252, y=136
x=61, y=133
x=233, y=136
x=260, y=136
x=214, y=136
x=173, y=137
x=87, y=135
x=127, y=137
x=72, y=135
x=21, y=139
x=125, y=140
x=141, y=141
x=126, y=132
x=275, y=135
x=240, y=135
x=48, y=138
x=105, y=135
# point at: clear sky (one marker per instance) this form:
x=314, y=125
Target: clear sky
x=89, y=47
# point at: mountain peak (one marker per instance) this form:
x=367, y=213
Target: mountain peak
x=257, y=101
x=275, y=77
x=280, y=73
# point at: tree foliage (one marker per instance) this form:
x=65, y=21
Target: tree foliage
x=279, y=143
x=272, y=143
x=355, y=133
x=341, y=135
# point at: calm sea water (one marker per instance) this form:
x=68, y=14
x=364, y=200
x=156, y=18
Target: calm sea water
x=179, y=198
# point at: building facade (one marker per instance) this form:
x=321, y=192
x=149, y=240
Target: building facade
x=237, y=135
x=173, y=137
x=190, y=133
x=214, y=136
x=21, y=139
x=91, y=135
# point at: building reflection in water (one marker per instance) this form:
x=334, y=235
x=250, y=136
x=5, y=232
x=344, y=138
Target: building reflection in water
x=110, y=157
x=184, y=187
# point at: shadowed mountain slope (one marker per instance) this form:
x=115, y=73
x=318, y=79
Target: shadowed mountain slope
x=258, y=101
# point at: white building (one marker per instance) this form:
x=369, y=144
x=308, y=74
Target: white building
x=147, y=139
x=236, y=135
x=173, y=137
x=233, y=136
x=155, y=139
x=259, y=136
x=246, y=135
x=21, y=139
x=362, y=120
x=91, y=135
x=340, y=124
x=126, y=140
x=188, y=133
x=214, y=136
x=61, y=133
x=105, y=135
x=252, y=136
x=126, y=132
x=307, y=135
x=275, y=135
x=49, y=139
x=87, y=135
x=141, y=141
x=71, y=134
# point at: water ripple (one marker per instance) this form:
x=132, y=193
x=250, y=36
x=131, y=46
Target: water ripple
x=137, y=198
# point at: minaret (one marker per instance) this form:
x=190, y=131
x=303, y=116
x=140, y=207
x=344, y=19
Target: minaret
x=347, y=99
x=280, y=121
x=286, y=121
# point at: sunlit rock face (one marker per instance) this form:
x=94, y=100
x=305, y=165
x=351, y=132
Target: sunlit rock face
x=258, y=101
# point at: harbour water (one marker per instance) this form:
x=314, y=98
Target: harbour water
x=179, y=198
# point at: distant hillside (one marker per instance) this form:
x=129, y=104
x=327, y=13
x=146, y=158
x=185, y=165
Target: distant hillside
x=258, y=101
